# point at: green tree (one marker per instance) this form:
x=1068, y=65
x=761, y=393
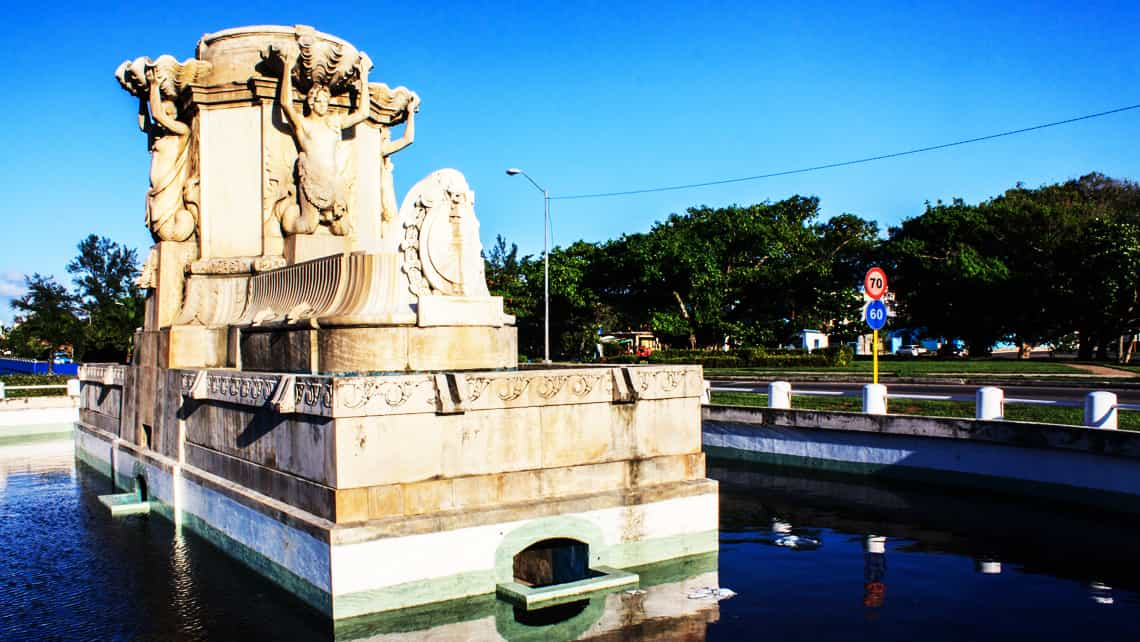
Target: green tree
x=844, y=247
x=48, y=321
x=947, y=274
x=1031, y=265
x=111, y=305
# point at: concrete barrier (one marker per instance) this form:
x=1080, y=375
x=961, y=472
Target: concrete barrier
x=779, y=394
x=1100, y=410
x=990, y=403
x=875, y=399
x=1088, y=466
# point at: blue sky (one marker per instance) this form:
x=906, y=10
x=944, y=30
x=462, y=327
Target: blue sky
x=603, y=96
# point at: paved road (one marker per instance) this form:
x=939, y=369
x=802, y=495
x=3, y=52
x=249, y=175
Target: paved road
x=1047, y=395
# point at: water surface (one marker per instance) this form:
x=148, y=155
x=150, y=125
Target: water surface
x=811, y=558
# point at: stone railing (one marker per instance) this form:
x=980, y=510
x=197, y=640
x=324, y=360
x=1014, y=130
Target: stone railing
x=103, y=374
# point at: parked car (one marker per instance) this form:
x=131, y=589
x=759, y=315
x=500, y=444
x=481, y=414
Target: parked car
x=910, y=350
x=951, y=350
x=61, y=358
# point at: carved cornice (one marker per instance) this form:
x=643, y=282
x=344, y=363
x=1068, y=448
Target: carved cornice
x=261, y=89
x=382, y=395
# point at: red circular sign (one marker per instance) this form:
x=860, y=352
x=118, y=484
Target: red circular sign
x=875, y=283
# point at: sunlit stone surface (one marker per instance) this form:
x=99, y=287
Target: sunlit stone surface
x=324, y=387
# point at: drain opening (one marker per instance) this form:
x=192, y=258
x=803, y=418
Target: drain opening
x=550, y=615
x=141, y=489
x=553, y=561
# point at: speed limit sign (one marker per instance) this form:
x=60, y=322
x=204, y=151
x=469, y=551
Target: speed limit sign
x=875, y=283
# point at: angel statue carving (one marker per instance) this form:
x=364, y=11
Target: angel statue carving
x=323, y=192
x=172, y=202
x=388, y=147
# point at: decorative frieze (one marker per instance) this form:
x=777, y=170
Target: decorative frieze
x=422, y=393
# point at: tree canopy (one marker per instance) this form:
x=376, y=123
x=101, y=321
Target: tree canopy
x=1032, y=265
x=96, y=321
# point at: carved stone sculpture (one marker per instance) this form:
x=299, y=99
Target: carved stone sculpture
x=323, y=187
x=410, y=104
x=442, y=252
x=172, y=201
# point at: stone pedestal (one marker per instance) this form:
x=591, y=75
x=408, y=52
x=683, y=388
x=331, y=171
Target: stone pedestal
x=378, y=349
x=165, y=299
x=306, y=247
x=370, y=493
x=436, y=311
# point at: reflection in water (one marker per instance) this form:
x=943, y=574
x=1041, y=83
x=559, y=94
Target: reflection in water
x=874, y=571
x=987, y=566
x=1101, y=593
x=1025, y=567
x=672, y=603
x=37, y=456
x=781, y=533
x=183, y=590
x=72, y=572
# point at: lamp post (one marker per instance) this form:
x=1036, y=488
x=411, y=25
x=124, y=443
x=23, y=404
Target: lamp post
x=545, y=259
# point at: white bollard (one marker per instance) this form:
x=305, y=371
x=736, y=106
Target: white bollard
x=875, y=399
x=72, y=387
x=1100, y=410
x=1, y=389
x=780, y=395
x=706, y=393
x=990, y=403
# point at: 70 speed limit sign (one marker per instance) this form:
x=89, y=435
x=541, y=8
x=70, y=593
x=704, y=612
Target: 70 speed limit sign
x=875, y=283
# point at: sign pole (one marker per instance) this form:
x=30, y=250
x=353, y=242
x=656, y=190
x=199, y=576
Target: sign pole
x=875, y=356
x=875, y=314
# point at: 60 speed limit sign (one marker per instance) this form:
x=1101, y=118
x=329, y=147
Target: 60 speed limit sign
x=875, y=283
x=876, y=315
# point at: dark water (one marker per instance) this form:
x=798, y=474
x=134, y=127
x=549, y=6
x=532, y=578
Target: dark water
x=811, y=558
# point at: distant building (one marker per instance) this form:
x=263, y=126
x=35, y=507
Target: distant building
x=812, y=340
x=642, y=342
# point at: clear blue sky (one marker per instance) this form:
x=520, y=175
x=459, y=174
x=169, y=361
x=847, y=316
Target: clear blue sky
x=604, y=96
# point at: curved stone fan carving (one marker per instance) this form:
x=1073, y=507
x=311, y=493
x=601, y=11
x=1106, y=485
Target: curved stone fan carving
x=395, y=99
x=322, y=61
x=172, y=76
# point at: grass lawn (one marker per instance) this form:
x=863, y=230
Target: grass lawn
x=1014, y=412
x=923, y=367
x=1131, y=367
x=34, y=380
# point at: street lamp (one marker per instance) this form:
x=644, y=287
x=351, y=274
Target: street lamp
x=545, y=259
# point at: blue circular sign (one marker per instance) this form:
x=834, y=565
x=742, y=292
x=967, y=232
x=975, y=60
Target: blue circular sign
x=876, y=315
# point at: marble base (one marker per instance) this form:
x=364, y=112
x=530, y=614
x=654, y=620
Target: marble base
x=378, y=349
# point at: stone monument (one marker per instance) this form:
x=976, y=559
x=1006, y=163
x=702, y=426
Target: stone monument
x=325, y=388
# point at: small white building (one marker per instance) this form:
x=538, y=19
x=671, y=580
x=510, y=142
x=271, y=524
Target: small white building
x=812, y=340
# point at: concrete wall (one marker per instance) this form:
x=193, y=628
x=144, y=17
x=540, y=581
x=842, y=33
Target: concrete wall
x=31, y=416
x=1083, y=465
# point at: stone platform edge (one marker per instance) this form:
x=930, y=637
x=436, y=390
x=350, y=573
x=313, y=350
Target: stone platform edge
x=326, y=565
x=1071, y=464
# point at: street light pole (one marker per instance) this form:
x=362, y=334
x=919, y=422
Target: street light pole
x=545, y=260
x=546, y=274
